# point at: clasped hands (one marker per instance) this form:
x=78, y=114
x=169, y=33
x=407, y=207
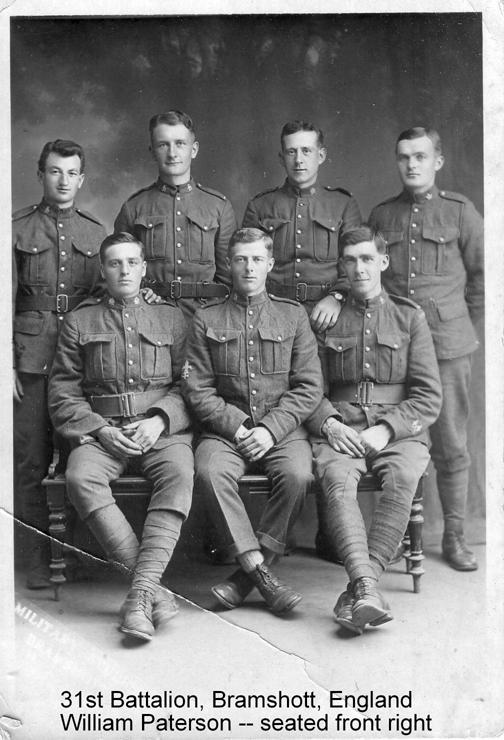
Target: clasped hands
x=134, y=439
x=253, y=443
x=346, y=440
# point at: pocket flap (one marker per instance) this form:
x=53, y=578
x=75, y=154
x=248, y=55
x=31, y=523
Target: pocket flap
x=272, y=224
x=272, y=334
x=89, y=338
x=205, y=221
x=31, y=245
x=452, y=310
x=394, y=341
x=392, y=237
x=327, y=222
x=222, y=335
x=160, y=339
x=28, y=322
x=440, y=234
x=340, y=344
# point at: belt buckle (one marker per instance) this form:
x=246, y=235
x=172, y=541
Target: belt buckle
x=175, y=293
x=365, y=392
x=301, y=296
x=61, y=298
x=128, y=404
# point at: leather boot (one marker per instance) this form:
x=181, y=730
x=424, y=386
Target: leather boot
x=38, y=572
x=233, y=591
x=279, y=597
x=164, y=607
x=137, y=614
x=369, y=606
x=456, y=553
x=343, y=611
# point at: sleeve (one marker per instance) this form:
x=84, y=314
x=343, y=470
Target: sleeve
x=422, y=407
x=471, y=247
x=173, y=406
x=305, y=381
x=124, y=220
x=325, y=409
x=351, y=215
x=199, y=386
x=227, y=226
x=70, y=412
x=250, y=219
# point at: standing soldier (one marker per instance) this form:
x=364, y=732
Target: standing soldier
x=305, y=221
x=435, y=245
x=55, y=266
x=252, y=377
x=184, y=226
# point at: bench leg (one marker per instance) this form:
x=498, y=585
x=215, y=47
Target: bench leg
x=57, y=532
x=414, y=555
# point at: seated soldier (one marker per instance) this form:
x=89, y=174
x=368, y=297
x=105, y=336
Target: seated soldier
x=383, y=392
x=252, y=377
x=114, y=394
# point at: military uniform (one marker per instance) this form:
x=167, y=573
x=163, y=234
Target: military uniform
x=185, y=230
x=119, y=361
x=252, y=361
x=379, y=366
x=55, y=266
x=305, y=225
x=435, y=244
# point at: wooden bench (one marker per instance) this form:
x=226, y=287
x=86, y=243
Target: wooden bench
x=251, y=488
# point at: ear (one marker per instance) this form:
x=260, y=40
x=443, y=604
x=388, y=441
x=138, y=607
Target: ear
x=271, y=262
x=144, y=268
x=322, y=154
x=384, y=262
x=101, y=271
x=81, y=180
x=194, y=149
x=439, y=162
x=228, y=263
x=40, y=177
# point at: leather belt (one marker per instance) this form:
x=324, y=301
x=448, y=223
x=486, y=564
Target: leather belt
x=177, y=289
x=367, y=393
x=126, y=404
x=60, y=303
x=301, y=292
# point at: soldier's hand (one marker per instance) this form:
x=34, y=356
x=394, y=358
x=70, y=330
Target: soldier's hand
x=376, y=438
x=117, y=443
x=150, y=296
x=325, y=314
x=255, y=444
x=145, y=433
x=17, y=388
x=342, y=438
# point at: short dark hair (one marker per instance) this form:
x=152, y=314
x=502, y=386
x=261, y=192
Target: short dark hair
x=417, y=132
x=172, y=118
x=64, y=148
x=249, y=235
x=121, y=237
x=362, y=233
x=292, y=127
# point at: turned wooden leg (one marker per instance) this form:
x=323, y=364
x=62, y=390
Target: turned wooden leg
x=55, y=491
x=415, y=556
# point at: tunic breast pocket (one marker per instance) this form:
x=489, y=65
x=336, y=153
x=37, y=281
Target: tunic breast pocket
x=155, y=354
x=341, y=357
x=85, y=267
x=275, y=350
x=100, y=356
x=35, y=262
x=397, y=251
x=435, y=241
x=225, y=348
x=201, y=232
x=392, y=357
x=278, y=229
x=152, y=232
x=325, y=238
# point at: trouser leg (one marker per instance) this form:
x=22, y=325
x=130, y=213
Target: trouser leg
x=449, y=441
x=339, y=476
x=399, y=468
x=171, y=471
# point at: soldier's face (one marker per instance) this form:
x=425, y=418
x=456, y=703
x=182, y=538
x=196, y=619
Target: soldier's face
x=123, y=269
x=61, y=179
x=363, y=265
x=173, y=149
x=418, y=162
x=302, y=156
x=249, y=265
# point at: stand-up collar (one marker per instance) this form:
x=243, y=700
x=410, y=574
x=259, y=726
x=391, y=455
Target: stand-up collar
x=370, y=303
x=249, y=300
x=421, y=197
x=52, y=210
x=122, y=302
x=299, y=192
x=186, y=187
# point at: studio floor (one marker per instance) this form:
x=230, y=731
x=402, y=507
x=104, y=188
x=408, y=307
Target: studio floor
x=440, y=658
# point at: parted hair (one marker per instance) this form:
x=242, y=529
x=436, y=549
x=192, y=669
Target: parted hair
x=362, y=233
x=63, y=147
x=121, y=237
x=417, y=132
x=172, y=118
x=292, y=127
x=250, y=235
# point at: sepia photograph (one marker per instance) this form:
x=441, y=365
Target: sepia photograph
x=252, y=441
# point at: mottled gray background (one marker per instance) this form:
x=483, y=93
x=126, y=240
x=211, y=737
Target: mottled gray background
x=362, y=78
